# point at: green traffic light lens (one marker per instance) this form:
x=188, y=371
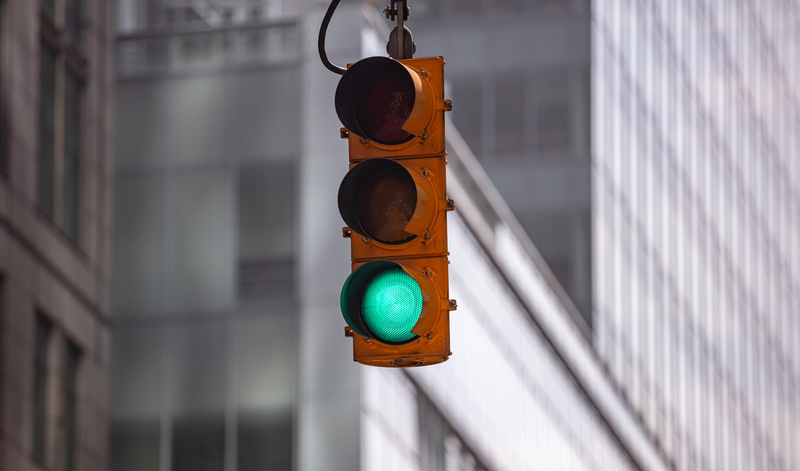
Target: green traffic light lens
x=391, y=305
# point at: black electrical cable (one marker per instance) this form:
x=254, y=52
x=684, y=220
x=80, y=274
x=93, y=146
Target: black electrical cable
x=321, y=42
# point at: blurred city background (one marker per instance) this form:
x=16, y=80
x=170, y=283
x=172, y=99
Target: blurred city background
x=624, y=249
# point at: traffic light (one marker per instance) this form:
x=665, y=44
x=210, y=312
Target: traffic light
x=393, y=200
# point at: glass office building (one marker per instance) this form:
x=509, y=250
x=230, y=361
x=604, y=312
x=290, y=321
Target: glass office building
x=696, y=216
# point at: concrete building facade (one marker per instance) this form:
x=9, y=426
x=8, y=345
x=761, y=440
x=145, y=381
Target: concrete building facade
x=56, y=148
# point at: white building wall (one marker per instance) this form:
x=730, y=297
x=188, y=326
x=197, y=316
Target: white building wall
x=696, y=215
x=505, y=390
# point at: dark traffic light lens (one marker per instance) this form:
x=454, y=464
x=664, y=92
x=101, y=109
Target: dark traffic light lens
x=385, y=205
x=383, y=104
x=391, y=305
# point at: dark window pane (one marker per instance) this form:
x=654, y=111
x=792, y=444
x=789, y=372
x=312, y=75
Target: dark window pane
x=510, y=114
x=49, y=7
x=467, y=98
x=40, y=386
x=266, y=360
x=72, y=19
x=265, y=441
x=72, y=139
x=198, y=397
x=71, y=360
x=134, y=444
x=551, y=116
x=552, y=127
x=47, y=82
x=266, y=230
x=198, y=442
x=136, y=397
x=3, y=120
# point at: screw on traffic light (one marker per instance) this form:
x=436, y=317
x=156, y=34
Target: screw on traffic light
x=393, y=200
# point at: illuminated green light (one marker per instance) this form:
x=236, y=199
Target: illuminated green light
x=391, y=305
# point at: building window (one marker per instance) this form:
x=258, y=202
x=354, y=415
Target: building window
x=43, y=328
x=266, y=231
x=510, y=115
x=3, y=120
x=62, y=74
x=551, y=115
x=49, y=340
x=466, y=10
x=71, y=361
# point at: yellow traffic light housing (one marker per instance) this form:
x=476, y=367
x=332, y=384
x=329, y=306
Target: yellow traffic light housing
x=396, y=300
x=397, y=208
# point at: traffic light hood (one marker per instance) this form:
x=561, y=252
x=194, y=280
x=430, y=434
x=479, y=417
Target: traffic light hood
x=382, y=200
x=384, y=100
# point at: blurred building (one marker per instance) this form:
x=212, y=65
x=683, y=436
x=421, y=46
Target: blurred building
x=696, y=204
x=519, y=72
x=677, y=353
x=229, y=351
x=56, y=95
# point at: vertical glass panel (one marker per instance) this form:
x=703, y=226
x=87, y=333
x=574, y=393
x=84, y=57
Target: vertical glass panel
x=267, y=211
x=467, y=94
x=47, y=86
x=433, y=432
x=140, y=126
x=137, y=286
x=48, y=7
x=266, y=390
x=72, y=19
x=71, y=360
x=72, y=155
x=203, y=246
x=136, y=372
x=510, y=114
x=264, y=118
x=3, y=120
x=198, y=385
x=552, y=113
x=196, y=107
x=40, y=385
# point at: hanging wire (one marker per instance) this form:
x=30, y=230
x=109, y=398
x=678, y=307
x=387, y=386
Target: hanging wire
x=321, y=42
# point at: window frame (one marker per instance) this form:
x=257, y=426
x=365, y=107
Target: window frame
x=73, y=356
x=63, y=187
x=40, y=387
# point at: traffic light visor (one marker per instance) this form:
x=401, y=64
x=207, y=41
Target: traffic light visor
x=382, y=301
x=376, y=97
x=378, y=198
